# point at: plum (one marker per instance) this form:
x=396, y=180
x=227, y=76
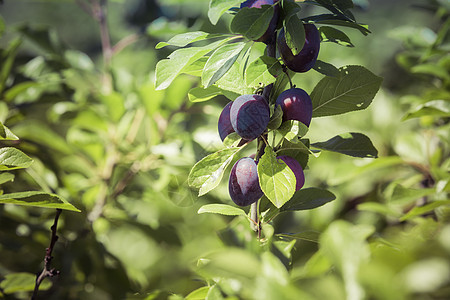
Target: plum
x=296, y=168
x=243, y=184
x=224, y=125
x=296, y=105
x=249, y=116
x=268, y=36
x=307, y=57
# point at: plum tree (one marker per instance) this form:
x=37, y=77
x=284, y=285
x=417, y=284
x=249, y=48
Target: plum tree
x=307, y=57
x=296, y=105
x=224, y=123
x=295, y=166
x=249, y=116
x=268, y=36
x=243, y=184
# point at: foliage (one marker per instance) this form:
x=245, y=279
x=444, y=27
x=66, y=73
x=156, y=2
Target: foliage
x=139, y=171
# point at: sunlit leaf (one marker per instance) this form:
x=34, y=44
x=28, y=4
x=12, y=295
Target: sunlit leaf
x=276, y=179
x=263, y=70
x=222, y=209
x=12, y=158
x=37, y=199
x=218, y=7
x=22, y=282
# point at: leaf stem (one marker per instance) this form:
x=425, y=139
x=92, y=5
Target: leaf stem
x=48, y=271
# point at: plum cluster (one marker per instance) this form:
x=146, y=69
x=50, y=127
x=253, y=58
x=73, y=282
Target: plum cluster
x=249, y=115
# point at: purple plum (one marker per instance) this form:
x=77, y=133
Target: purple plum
x=307, y=57
x=224, y=125
x=296, y=168
x=296, y=105
x=249, y=116
x=243, y=184
x=268, y=36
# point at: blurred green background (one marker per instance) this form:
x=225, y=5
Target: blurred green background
x=105, y=140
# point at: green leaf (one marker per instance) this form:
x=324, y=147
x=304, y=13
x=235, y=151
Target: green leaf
x=276, y=119
x=294, y=33
x=307, y=235
x=292, y=130
x=220, y=62
x=299, y=151
x=5, y=177
x=420, y=210
x=22, y=282
x=6, y=134
x=7, y=57
x=199, y=94
x=12, y=158
x=2, y=26
x=198, y=294
x=330, y=34
x=252, y=22
x=37, y=199
x=222, y=209
x=431, y=69
x=233, y=83
x=353, y=90
x=214, y=293
x=345, y=245
x=276, y=179
x=331, y=20
x=435, y=108
x=184, y=39
x=308, y=198
x=218, y=7
x=263, y=70
x=350, y=143
x=207, y=173
x=401, y=195
x=168, y=69
x=326, y=69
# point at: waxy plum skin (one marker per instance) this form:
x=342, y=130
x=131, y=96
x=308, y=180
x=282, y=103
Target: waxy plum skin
x=224, y=124
x=268, y=36
x=296, y=105
x=249, y=116
x=296, y=168
x=243, y=184
x=307, y=57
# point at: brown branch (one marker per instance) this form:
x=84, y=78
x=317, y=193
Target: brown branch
x=48, y=271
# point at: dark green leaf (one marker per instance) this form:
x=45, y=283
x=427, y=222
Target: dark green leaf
x=299, y=151
x=276, y=179
x=220, y=62
x=207, y=173
x=37, y=199
x=218, y=7
x=351, y=143
x=252, y=22
x=330, y=34
x=276, y=119
x=22, y=282
x=353, y=90
x=2, y=26
x=45, y=38
x=326, y=69
x=168, y=69
x=308, y=198
x=222, y=209
x=294, y=33
x=263, y=70
x=12, y=158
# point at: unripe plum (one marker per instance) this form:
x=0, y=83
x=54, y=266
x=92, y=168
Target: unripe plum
x=249, y=116
x=296, y=105
x=296, y=168
x=307, y=57
x=269, y=34
x=224, y=125
x=243, y=184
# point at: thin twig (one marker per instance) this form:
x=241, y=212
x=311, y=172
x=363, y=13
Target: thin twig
x=48, y=271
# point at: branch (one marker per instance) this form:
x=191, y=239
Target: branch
x=48, y=271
